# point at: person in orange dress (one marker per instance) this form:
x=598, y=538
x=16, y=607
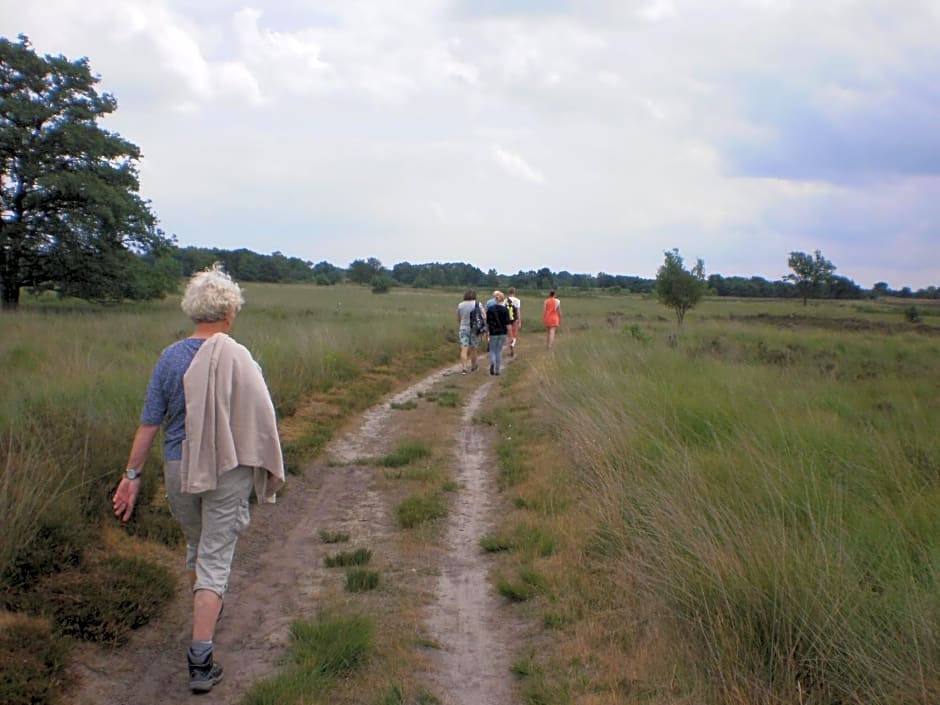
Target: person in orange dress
x=551, y=317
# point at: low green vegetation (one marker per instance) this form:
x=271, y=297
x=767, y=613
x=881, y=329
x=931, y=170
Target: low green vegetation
x=321, y=653
x=407, y=452
x=333, y=536
x=360, y=580
x=420, y=509
x=361, y=556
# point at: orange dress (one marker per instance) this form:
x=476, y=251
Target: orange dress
x=552, y=314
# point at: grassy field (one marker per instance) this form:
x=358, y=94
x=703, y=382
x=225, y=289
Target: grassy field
x=758, y=506
x=757, y=499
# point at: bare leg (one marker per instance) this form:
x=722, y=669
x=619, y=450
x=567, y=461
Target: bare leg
x=206, y=606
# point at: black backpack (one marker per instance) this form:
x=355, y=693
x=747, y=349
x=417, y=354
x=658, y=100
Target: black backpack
x=477, y=322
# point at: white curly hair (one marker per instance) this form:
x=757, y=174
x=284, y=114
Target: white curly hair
x=211, y=295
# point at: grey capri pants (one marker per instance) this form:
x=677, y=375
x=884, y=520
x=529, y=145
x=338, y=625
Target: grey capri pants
x=211, y=522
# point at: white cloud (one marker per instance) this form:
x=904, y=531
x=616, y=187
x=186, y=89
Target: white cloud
x=516, y=166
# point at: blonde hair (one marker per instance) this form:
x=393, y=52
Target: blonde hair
x=211, y=295
x=499, y=296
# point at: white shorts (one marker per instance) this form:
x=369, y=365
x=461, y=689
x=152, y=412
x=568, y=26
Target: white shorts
x=211, y=523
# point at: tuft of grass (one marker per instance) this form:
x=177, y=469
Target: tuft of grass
x=494, y=543
x=553, y=620
x=320, y=653
x=333, y=536
x=448, y=398
x=533, y=541
x=361, y=580
x=418, y=509
x=361, y=556
x=450, y=486
x=530, y=583
x=405, y=405
x=407, y=452
x=538, y=687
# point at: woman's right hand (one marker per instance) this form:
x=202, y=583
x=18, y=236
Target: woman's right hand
x=125, y=497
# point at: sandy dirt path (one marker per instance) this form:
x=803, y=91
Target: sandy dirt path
x=278, y=576
x=466, y=617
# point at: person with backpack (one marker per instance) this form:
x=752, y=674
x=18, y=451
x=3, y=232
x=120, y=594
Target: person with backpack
x=515, y=313
x=497, y=323
x=471, y=326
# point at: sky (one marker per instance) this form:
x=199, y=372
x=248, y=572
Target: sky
x=580, y=135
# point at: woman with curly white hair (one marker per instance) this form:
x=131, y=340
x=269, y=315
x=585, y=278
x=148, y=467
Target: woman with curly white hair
x=220, y=440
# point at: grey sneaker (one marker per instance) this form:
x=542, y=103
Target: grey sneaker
x=202, y=676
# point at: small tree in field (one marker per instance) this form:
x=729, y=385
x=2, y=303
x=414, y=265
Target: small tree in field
x=809, y=272
x=679, y=288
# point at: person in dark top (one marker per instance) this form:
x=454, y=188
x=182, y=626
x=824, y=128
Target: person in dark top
x=497, y=322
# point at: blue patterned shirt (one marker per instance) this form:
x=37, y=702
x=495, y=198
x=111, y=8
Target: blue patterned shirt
x=165, y=401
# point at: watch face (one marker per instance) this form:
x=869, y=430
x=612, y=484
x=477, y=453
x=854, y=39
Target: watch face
x=132, y=474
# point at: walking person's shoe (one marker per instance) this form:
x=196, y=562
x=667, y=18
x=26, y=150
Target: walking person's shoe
x=474, y=367
x=203, y=676
x=492, y=370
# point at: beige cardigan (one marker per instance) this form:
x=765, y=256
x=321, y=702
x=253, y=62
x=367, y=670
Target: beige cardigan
x=230, y=420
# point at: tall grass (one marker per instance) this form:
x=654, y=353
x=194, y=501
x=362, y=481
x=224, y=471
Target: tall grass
x=776, y=495
x=72, y=380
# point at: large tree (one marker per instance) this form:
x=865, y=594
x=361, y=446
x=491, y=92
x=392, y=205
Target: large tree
x=678, y=287
x=71, y=217
x=809, y=273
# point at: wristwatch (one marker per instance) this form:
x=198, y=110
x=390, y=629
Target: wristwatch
x=132, y=474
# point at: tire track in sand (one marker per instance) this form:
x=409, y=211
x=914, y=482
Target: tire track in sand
x=467, y=618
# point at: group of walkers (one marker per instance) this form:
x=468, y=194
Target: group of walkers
x=497, y=323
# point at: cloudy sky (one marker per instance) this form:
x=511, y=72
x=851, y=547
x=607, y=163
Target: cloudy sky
x=579, y=135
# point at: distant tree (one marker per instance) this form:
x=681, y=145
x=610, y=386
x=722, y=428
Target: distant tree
x=381, y=283
x=71, y=218
x=880, y=289
x=363, y=271
x=809, y=273
x=545, y=279
x=326, y=274
x=678, y=288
